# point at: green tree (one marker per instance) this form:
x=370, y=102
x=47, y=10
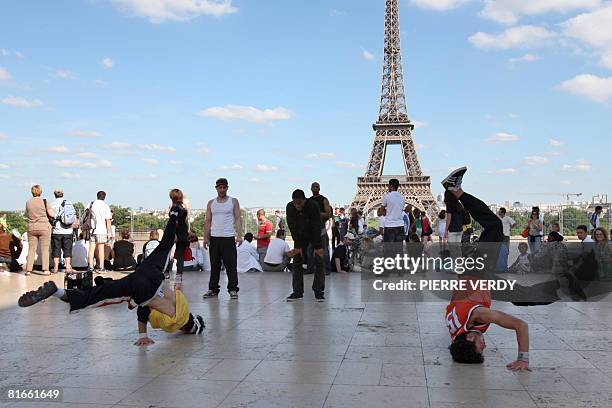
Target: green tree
x=121, y=215
x=15, y=219
x=148, y=222
x=197, y=225
x=79, y=208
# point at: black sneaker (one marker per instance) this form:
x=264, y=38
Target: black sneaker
x=34, y=296
x=319, y=297
x=198, y=324
x=294, y=297
x=452, y=182
x=210, y=294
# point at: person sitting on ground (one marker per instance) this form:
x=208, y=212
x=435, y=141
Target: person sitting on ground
x=341, y=256
x=161, y=306
x=469, y=312
x=247, y=256
x=603, y=254
x=194, y=254
x=521, y=266
x=149, y=246
x=551, y=257
x=123, y=253
x=277, y=258
x=80, y=251
x=10, y=248
x=554, y=227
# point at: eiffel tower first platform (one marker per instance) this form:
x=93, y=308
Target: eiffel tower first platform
x=393, y=127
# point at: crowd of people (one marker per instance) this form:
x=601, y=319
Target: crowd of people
x=309, y=221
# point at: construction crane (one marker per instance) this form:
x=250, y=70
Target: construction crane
x=568, y=195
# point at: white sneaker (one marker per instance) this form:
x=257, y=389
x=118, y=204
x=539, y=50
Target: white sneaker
x=233, y=294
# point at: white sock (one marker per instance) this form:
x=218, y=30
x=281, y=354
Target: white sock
x=59, y=293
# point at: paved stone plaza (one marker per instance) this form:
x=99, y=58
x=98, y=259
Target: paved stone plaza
x=261, y=351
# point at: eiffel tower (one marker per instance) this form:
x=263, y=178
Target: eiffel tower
x=393, y=127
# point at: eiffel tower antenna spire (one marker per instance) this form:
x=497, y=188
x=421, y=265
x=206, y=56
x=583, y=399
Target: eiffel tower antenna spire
x=393, y=128
x=392, y=98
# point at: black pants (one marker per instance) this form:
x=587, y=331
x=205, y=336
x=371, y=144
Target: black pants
x=489, y=243
x=336, y=238
x=141, y=285
x=223, y=249
x=318, y=284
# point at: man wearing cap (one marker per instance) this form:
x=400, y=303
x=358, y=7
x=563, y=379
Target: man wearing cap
x=222, y=231
x=61, y=235
x=304, y=221
x=340, y=257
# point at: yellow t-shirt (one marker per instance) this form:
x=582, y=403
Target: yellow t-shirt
x=171, y=324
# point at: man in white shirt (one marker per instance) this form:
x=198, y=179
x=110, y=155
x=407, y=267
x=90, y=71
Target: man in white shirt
x=247, y=256
x=581, y=232
x=393, y=203
x=594, y=220
x=276, y=259
x=101, y=233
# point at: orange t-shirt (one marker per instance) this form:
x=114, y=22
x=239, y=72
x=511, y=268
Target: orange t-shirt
x=460, y=309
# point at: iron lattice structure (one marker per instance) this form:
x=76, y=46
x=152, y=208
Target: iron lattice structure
x=393, y=127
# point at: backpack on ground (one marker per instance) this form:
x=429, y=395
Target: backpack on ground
x=89, y=223
x=67, y=214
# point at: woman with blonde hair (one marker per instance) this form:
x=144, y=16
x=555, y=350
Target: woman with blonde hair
x=39, y=216
x=603, y=254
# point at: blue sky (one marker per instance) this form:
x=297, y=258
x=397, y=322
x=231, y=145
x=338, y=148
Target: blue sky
x=136, y=97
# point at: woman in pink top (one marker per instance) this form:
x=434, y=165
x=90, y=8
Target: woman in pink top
x=39, y=230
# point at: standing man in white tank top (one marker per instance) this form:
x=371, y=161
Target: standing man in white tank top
x=222, y=231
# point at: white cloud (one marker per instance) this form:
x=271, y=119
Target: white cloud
x=439, y=5
x=3, y=136
x=158, y=148
x=151, y=162
x=367, y=55
x=203, y=148
x=19, y=54
x=4, y=166
x=524, y=58
x=589, y=86
x=176, y=162
x=317, y=156
x=70, y=176
x=87, y=155
x=418, y=124
x=516, y=37
x=420, y=146
x=555, y=142
x=84, y=133
x=349, y=165
x=553, y=154
x=99, y=83
x=65, y=74
x=4, y=52
x=4, y=75
x=248, y=113
x=336, y=13
x=254, y=180
x=595, y=30
x=108, y=62
x=536, y=160
x=509, y=11
x=77, y=164
x=508, y=170
x=232, y=167
x=578, y=166
x=265, y=168
x=117, y=145
x=159, y=11
x=22, y=102
x=502, y=137
x=513, y=116
x=4, y=176
x=58, y=149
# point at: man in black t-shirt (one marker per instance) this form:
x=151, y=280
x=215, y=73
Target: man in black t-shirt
x=341, y=255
